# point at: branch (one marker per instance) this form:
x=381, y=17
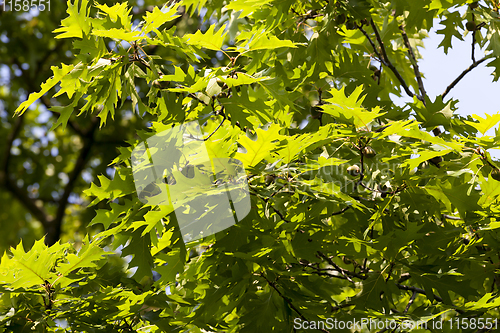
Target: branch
x=10, y=184
x=388, y=63
x=52, y=226
x=222, y=113
x=289, y=302
x=449, y=217
x=318, y=272
x=373, y=45
x=28, y=202
x=473, y=57
x=413, y=60
x=404, y=277
x=323, y=271
x=338, y=307
x=342, y=271
x=391, y=267
x=418, y=291
x=478, y=27
x=279, y=214
x=421, y=291
x=193, y=96
x=461, y=76
x=213, y=132
x=362, y=170
x=266, y=200
x=341, y=211
x=54, y=229
x=412, y=299
x=10, y=140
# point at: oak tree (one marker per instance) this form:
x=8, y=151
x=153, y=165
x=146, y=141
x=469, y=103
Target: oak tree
x=360, y=208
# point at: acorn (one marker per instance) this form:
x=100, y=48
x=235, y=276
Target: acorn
x=383, y=190
x=270, y=179
x=473, y=5
x=470, y=25
x=495, y=174
x=436, y=160
x=353, y=170
x=340, y=19
x=369, y=152
x=161, y=84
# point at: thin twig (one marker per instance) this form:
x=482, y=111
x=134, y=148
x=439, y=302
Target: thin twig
x=362, y=171
x=323, y=273
x=341, y=211
x=382, y=61
x=461, y=76
x=237, y=123
x=289, y=302
x=449, y=217
x=193, y=96
x=378, y=79
x=342, y=271
x=413, y=60
x=341, y=306
x=410, y=302
x=404, y=277
x=279, y=214
x=473, y=57
x=367, y=187
x=418, y=290
x=389, y=64
x=421, y=291
x=362, y=165
x=211, y=134
x=380, y=42
x=391, y=267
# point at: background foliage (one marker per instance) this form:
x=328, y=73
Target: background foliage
x=361, y=208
